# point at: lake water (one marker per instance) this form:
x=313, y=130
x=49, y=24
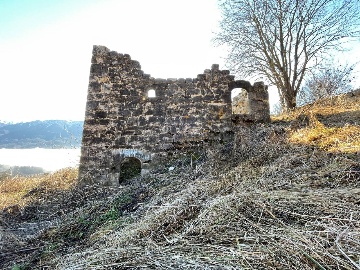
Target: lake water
x=48, y=159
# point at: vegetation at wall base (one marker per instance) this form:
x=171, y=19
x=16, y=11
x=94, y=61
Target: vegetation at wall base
x=284, y=195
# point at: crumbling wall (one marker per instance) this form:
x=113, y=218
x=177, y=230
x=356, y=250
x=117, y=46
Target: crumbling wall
x=121, y=115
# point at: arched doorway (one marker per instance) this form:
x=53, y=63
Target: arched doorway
x=129, y=168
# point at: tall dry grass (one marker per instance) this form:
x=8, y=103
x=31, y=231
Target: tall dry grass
x=273, y=198
x=331, y=125
x=344, y=139
x=17, y=190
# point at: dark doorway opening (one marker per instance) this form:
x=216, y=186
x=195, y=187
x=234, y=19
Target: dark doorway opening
x=129, y=168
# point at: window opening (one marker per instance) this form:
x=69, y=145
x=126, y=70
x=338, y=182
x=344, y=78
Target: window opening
x=239, y=101
x=151, y=93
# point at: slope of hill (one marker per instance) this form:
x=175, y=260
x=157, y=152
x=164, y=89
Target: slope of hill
x=284, y=195
x=43, y=134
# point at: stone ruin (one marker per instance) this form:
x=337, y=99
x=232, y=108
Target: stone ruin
x=132, y=117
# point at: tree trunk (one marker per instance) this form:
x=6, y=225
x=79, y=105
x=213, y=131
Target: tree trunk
x=287, y=99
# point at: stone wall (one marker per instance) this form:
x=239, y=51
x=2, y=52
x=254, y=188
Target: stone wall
x=120, y=115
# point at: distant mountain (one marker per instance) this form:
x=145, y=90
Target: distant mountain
x=43, y=134
x=19, y=170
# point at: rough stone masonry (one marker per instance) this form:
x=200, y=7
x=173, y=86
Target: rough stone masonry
x=131, y=115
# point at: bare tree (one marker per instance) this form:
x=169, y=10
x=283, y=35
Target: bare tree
x=327, y=80
x=281, y=39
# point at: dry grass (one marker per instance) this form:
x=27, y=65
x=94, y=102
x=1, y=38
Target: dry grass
x=13, y=190
x=344, y=103
x=279, y=196
x=263, y=205
x=331, y=125
x=238, y=219
x=344, y=139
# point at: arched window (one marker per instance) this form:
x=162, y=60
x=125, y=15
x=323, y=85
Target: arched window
x=151, y=93
x=129, y=168
x=239, y=101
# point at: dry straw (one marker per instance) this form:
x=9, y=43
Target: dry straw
x=264, y=200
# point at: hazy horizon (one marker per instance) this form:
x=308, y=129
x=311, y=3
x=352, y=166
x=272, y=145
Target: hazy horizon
x=48, y=159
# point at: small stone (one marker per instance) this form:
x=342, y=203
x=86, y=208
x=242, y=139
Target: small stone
x=215, y=67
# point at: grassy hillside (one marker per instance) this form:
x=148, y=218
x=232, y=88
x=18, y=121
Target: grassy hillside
x=284, y=195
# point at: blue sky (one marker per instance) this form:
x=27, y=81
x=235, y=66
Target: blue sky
x=19, y=18
x=45, y=48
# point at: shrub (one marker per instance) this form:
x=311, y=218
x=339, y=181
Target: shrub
x=326, y=81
